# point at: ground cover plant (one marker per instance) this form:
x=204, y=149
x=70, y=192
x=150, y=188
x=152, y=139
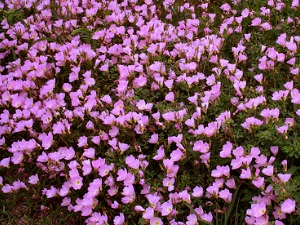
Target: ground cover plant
x=149, y=112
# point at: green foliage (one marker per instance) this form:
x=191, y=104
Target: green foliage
x=192, y=172
x=12, y=16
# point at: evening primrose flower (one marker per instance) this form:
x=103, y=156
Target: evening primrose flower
x=226, y=150
x=119, y=220
x=251, y=122
x=166, y=208
x=160, y=153
x=257, y=210
x=153, y=139
x=225, y=195
x=288, y=206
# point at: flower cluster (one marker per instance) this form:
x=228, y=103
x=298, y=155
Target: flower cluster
x=153, y=112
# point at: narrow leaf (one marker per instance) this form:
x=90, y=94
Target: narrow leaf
x=231, y=204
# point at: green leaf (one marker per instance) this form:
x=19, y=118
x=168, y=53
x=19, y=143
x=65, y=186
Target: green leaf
x=80, y=31
x=227, y=214
x=221, y=162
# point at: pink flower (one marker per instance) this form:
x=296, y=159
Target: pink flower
x=225, y=7
x=281, y=39
x=212, y=190
x=254, y=152
x=169, y=116
x=289, y=85
x=82, y=141
x=169, y=83
x=176, y=155
x=257, y=210
x=289, y=121
x=226, y=150
x=185, y=196
x=171, y=168
x=283, y=129
x=89, y=153
x=139, y=208
x=123, y=146
x=268, y=171
x=50, y=193
x=220, y=171
x=47, y=141
x=59, y=128
x=251, y=122
x=259, y=77
x=132, y=162
x=86, y=167
x=291, y=45
x=149, y=213
x=284, y=177
x=288, y=206
x=76, y=182
x=278, y=214
x=119, y=220
x=205, y=158
x=200, y=146
x=207, y=217
x=236, y=163
x=114, y=131
x=277, y=222
x=168, y=182
x=170, y=97
x=231, y=183
x=166, y=208
x=210, y=80
x=245, y=174
x=141, y=105
x=211, y=129
x=156, y=221
x=34, y=179
x=256, y=22
x=295, y=4
x=225, y=195
x=197, y=192
x=238, y=152
x=190, y=122
x=274, y=150
x=259, y=182
x=104, y=170
x=192, y=219
x=17, y=157
x=122, y=174
x=160, y=153
x=153, y=139
x=140, y=81
x=7, y=188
